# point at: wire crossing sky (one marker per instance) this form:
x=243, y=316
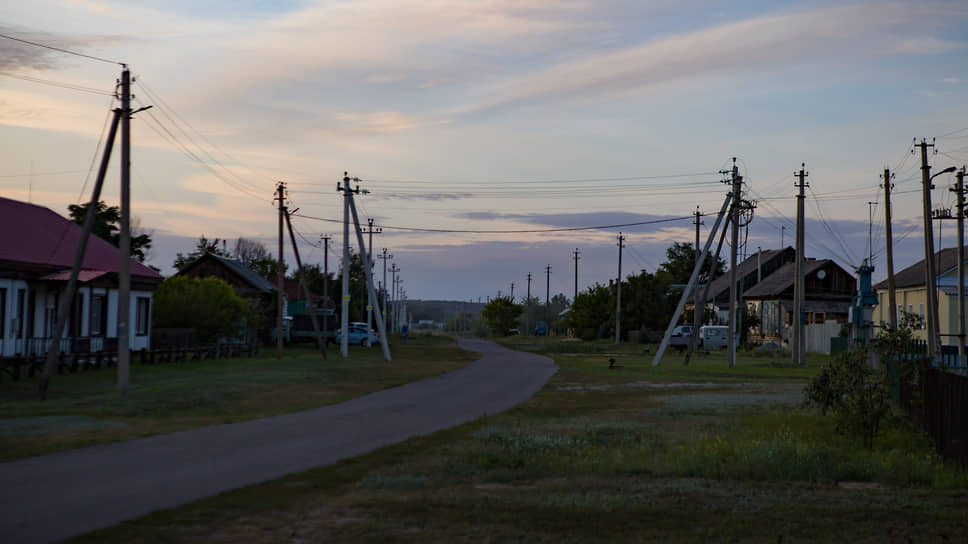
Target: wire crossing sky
x=502, y=135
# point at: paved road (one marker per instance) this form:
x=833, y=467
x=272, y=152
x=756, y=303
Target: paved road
x=56, y=496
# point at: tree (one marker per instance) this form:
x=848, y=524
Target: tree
x=203, y=246
x=249, y=251
x=501, y=315
x=647, y=301
x=681, y=260
x=107, y=226
x=208, y=305
x=592, y=313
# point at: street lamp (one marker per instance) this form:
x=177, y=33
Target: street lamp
x=930, y=274
x=947, y=170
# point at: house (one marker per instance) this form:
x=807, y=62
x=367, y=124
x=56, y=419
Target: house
x=828, y=289
x=911, y=295
x=37, y=248
x=749, y=273
x=244, y=281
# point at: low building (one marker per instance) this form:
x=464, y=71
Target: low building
x=37, y=248
x=750, y=272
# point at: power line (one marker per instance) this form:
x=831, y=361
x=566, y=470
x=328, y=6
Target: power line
x=97, y=151
x=573, y=180
x=61, y=84
x=68, y=51
x=524, y=231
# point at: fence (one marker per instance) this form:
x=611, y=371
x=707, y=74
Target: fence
x=939, y=401
x=817, y=336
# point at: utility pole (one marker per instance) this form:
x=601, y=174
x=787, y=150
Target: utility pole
x=281, y=197
x=698, y=305
x=393, y=297
x=512, y=291
x=527, y=311
x=345, y=308
x=782, y=232
x=384, y=258
x=930, y=275
x=577, y=253
x=369, y=303
x=367, y=270
x=618, y=292
x=798, y=269
x=737, y=182
x=959, y=189
x=325, y=238
x=547, y=298
x=124, y=271
x=870, y=233
x=891, y=295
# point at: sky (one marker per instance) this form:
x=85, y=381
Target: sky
x=482, y=129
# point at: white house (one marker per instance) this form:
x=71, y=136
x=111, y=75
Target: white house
x=36, y=253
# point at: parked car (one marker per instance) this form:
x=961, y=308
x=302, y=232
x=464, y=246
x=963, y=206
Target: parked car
x=680, y=337
x=357, y=335
x=713, y=337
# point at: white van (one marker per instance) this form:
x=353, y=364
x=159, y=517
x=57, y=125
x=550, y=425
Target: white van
x=713, y=337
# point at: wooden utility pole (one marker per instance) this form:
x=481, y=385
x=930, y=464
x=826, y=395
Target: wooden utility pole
x=325, y=238
x=576, y=257
x=930, y=275
x=737, y=182
x=124, y=271
x=320, y=342
x=618, y=292
x=891, y=294
x=698, y=305
x=280, y=285
x=797, y=346
x=959, y=189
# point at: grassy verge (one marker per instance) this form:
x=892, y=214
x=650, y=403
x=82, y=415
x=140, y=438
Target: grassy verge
x=84, y=408
x=607, y=456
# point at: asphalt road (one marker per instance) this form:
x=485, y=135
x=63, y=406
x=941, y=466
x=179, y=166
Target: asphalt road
x=57, y=496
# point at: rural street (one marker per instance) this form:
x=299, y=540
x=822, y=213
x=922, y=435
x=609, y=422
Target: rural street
x=57, y=496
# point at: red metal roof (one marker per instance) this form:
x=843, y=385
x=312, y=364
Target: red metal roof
x=37, y=235
x=83, y=276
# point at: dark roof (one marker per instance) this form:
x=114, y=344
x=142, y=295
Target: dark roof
x=743, y=269
x=38, y=236
x=244, y=272
x=913, y=276
x=782, y=279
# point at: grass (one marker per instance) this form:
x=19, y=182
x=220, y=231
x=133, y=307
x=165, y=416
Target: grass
x=724, y=455
x=84, y=408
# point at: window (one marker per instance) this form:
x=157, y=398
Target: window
x=921, y=313
x=142, y=316
x=21, y=301
x=98, y=316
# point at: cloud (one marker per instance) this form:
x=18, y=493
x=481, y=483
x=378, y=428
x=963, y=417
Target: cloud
x=926, y=45
x=18, y=55
x=952, y=80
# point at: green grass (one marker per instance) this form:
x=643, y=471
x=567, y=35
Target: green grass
x=84, y=408
x=598, y=455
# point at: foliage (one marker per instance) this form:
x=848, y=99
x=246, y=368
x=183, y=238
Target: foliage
x=208, y=305
x=893, y=345
x=647, y=301
x=107, y=226
x=266, y=267
x=681, y=260
x=501, y=315
x=593, y=309
x=854, y=392
x=203, y=246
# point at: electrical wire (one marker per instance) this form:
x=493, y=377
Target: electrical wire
x=517, y=231
x=97, y=151
x=60, y=84
x=68, y=51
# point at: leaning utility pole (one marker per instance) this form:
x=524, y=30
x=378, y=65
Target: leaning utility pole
x=891, y=295
x=705, y=290
x=618, y=292
x=798, y=343
x=577, y=253
x=320, y=343
x=959, y=189
x=367, y=267
x=280, y=312
x=63, y=310
x=737, y=182
x=930, y=277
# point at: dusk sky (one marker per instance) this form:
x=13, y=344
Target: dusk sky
x=493, y=116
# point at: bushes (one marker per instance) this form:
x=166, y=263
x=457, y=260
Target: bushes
x=208, y=305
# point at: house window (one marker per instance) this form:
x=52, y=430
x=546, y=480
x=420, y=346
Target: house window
x=98, y=316
x=21, y=302
x=921, y=313
x=142, y=317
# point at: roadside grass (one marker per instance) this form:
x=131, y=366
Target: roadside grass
x=84, y=408
x=607, y=456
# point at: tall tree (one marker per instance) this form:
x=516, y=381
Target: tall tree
x=203, y=246
x=107, y=221
x=501, y=315
x=681, y=259
x=248, y=250
x=592, y=313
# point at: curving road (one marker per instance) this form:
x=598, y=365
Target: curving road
x=57, y=496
